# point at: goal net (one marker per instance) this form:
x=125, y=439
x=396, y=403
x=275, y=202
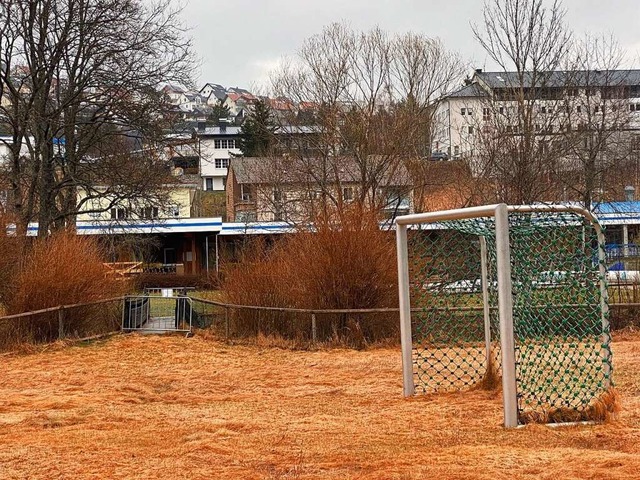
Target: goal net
x=510, y=297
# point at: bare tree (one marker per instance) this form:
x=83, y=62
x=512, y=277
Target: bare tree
x=79, y=82
x=529, y=42
x=366, y=97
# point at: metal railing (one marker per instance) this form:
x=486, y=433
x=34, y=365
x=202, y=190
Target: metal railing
x=157, y=314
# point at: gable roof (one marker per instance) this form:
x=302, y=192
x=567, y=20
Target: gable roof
x=287, y=170
x=217, y=90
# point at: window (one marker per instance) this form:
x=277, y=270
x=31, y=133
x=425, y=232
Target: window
x=579, y=109
x=245, y=193
x=469, y=111
x=456, y=151
x=175, y=210
x=149, y=212
x=463, y=111
x=347, y=193
x=277, y=195
x=246, y=217
x=501, y=110
x=208, y=183
x=222, y=162
x=486, y=114
x=543, y=109
x=470, y=130
x=224, y=143
x=118, y=213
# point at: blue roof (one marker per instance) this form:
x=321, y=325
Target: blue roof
x=617, y=207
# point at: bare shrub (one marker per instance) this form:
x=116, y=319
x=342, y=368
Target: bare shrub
x=63, y=269
x=345, y=263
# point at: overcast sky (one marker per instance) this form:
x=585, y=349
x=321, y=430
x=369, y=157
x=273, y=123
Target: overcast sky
x=240, y=41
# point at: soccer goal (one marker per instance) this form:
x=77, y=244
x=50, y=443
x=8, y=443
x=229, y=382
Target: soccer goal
x=510, y=296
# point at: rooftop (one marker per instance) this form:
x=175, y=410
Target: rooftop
x=556, y=79
x=288, y=170
x=218, y=130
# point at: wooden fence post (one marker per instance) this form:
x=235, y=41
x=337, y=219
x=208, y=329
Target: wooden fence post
x=61, y=323
x=314, y=328
x=226, y=322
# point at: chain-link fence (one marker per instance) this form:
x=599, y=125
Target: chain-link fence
x=557, y=299
x=65, y=322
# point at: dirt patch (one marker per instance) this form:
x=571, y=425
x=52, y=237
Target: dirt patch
x=170, y=407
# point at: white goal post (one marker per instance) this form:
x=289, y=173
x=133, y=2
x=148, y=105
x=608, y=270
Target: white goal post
x=498, y=219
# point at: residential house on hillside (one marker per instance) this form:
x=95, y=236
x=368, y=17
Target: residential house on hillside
x=215, y=147
x=239, y=101
x=273, y=189
x=186, y=105
x=213, y=93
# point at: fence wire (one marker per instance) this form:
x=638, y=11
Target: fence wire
x=304, y=327
x=65, y=322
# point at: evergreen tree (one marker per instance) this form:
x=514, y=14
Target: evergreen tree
x=257, y=132
x=220, y=110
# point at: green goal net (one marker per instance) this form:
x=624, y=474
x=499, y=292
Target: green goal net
x=553, y=309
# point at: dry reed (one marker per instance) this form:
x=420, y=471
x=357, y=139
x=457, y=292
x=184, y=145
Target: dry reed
x=63, y=269
x=344, y=264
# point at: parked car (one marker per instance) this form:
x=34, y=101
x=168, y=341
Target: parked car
x=439, y=156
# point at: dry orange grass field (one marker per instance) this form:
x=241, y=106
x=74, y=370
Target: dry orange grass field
x=169, y=407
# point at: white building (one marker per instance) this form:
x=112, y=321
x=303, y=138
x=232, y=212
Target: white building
x=182, y=98
x=456, y=118
x=213, y=93
x=6, y=142
x=564, y=101
x=217, y=145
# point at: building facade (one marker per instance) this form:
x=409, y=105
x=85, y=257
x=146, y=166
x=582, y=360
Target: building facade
x=556, y=106
x=216, y=146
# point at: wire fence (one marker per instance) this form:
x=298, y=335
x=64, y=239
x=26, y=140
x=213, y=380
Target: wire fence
x=355, y=327
x=77, y=321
